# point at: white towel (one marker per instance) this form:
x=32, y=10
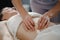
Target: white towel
x=4, y=31
x=51, y=33
x=13, y=22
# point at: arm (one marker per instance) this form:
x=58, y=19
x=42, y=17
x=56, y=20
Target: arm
x=19, y=7
x=51, y=13
x=27, y=19
x=44, y=20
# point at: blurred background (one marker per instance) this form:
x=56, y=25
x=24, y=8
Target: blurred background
x=7, y=3
x=26, y=4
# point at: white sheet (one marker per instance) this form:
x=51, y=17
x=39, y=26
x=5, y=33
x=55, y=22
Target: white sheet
x=14, y=21
x=4, y=31
x=51, y=33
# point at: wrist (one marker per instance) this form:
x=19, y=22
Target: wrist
x=50, y=15
x=24, y=15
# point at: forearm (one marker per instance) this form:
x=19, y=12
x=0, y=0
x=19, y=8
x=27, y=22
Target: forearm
x=19, y=7
x=54, y=11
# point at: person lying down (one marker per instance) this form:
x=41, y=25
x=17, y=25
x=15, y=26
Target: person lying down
x=5, y=14
x=17, y=29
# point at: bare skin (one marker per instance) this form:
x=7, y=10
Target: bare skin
x=8, y=12
x=27, y=19
x=51, y=13
x=24, y=34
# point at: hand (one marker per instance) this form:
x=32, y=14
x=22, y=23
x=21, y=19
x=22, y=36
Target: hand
x=28, y=22
x=43, y=22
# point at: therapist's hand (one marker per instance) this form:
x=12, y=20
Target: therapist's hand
x=28, y=22
x=43, y=22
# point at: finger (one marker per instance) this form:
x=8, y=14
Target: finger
x=42, y=22
x=25, y=22
x=30, y=26
x=31, y=21
x=46, y=21
x=24, y=26
x=44, y=25
x=39, y=25
x=47, y=24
